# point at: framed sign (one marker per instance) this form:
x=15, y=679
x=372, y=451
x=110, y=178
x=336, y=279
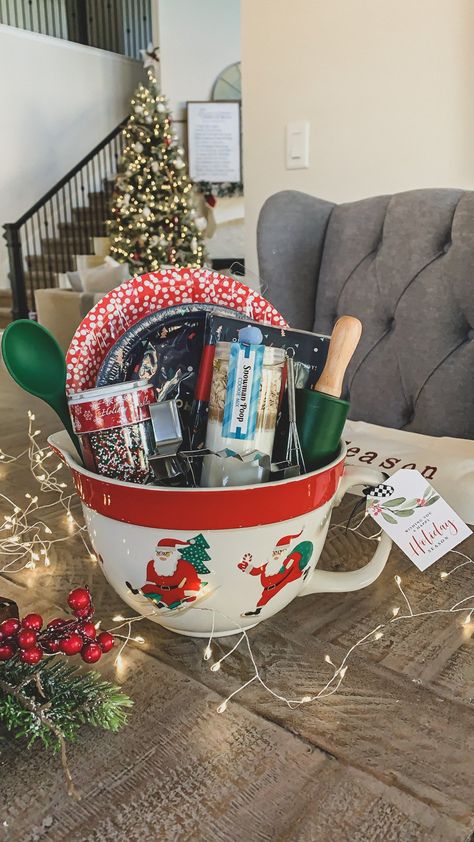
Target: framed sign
x=214, y=141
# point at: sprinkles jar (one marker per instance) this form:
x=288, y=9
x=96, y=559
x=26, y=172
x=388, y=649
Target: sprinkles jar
x=115, y=431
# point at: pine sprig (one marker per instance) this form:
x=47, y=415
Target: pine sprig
x=52, y=700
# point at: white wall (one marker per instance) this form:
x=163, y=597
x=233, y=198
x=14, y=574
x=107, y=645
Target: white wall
x=58, y=100
x=388, y=86
x=198, y=39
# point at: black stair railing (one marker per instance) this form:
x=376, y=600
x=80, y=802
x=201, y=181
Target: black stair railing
x=44, y=242
x=121, y=26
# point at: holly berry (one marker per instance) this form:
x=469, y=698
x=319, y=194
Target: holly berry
x=32, y=656
x=91, y=653
x=105, y=641
x=71, y=645
x=6, y=652
x=33, y=622
x=79, y=598
x=26, y=638
x=10, y=627
x=82, y=613
x=87, y=629
x=52, y=646
x=58, y=621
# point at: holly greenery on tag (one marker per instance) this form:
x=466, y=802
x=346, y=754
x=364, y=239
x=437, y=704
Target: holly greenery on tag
x=416, y=517
x=401, y=506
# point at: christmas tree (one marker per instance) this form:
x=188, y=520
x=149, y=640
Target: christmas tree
x=154, y=223
x=196, y=554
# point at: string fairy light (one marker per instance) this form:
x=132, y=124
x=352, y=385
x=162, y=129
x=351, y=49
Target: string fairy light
x=25, y=538
x=339, y=671
x=25, y=541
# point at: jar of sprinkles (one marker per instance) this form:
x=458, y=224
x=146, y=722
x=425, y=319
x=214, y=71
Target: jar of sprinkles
x=115, y=431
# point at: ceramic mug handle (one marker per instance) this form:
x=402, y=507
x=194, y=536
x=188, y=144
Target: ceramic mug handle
x=326, y=581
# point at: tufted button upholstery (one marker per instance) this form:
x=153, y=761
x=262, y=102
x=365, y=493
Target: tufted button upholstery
x=404, y=264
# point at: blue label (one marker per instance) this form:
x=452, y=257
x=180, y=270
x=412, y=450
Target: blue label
x=243, y=390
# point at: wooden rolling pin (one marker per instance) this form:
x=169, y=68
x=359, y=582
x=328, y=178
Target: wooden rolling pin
x=344, y=340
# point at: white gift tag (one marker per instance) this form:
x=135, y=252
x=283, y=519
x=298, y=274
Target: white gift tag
x=413, y=514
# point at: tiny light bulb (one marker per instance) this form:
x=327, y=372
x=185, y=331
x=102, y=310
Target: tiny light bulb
x=207, y=653
x=215, y=667
x=47, y=562
x=118, y=618
x=34, y=500
x=395, y=611
x=467, y=620
x=343, y=672
x=306, y=699
x=378, y=635
x=398, y=580
x=327, y=658
x=139, y=639
x=443, y=575
x=92, y=557
x=222, y=707
x=47, y=530
x=118, y=661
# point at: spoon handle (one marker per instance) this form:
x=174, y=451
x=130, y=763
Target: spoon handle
x=344, y=340
x=61, y=408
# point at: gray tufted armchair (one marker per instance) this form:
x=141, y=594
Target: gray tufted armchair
x=404, y=264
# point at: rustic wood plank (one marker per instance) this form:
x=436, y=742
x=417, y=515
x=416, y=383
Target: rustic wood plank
x=378, y=721
x=180, y=771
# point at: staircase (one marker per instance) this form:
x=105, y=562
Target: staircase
x=46, y=241
x=58, y=254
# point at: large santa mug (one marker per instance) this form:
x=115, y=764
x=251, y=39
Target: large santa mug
x=202, y=561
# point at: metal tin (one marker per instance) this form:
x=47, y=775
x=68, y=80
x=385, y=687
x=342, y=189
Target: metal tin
x=115, y=430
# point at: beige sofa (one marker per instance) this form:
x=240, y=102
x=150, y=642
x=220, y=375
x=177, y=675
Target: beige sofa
x=60, y=310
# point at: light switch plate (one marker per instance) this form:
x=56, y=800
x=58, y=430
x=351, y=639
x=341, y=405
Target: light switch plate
x=297, y=145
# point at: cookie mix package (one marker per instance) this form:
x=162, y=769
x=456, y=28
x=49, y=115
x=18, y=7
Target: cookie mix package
x=309, y=352
x=309, y=349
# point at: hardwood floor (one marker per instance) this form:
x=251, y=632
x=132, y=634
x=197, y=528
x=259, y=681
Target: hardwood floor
x=389, y=758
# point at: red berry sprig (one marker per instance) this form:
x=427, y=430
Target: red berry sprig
x=30, y=641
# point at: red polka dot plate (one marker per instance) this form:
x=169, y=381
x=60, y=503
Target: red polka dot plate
x=121, y=308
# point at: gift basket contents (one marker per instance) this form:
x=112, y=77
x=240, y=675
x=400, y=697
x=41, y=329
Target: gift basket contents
x=206, y=389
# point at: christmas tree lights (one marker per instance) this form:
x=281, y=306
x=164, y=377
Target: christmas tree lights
x=153, y=220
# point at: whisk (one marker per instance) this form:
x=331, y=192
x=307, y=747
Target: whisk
x=294, y=453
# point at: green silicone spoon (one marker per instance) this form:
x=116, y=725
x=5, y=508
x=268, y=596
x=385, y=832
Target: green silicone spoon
x=36, y=362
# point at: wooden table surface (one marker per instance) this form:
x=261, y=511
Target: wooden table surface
x=389, y=757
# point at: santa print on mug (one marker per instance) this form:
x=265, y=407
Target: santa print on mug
x=279, y=570
x=174, y=576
